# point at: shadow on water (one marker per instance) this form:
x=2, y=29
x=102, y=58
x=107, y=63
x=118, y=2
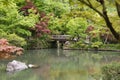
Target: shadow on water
x=57, y=64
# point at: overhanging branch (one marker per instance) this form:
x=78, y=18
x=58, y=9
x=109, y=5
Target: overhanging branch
x=91, y=6
x=104, y=15
x=118, y=8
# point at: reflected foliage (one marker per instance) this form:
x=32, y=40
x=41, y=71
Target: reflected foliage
x=59, y=65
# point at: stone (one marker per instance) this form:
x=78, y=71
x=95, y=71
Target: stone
x=33, y=66
x=16, y=66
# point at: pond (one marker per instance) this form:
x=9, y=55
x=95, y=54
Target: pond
x=57, y=64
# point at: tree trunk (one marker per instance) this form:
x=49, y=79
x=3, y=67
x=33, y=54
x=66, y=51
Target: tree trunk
x=118, y=8
x=109, y=25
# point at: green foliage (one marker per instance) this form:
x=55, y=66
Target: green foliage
x=111, y=71
x=111, y=46
x=77, y=45
x=67, y=25
x=68, y=17
x=37, y=43
x=81, y=44
x=13, y=25
x=96, y=44
x=11, y=21
x=16, y=40
x=53, y=6
x=13, y=38
x=76, y=27
x=58, y=25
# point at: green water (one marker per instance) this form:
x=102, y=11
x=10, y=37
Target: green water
x=60, y=65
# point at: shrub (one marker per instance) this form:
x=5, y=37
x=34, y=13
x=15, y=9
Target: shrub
x=6, y=50
x=14, y=39
x=111, y=46
x=96, y=44
x=111, y=71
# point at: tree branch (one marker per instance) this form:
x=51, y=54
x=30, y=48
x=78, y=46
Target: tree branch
x=118, y=8
x=104, y=15
x=108, y=23
x=91, y=6
x=89, y=2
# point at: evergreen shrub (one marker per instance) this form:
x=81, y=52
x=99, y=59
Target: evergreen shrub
x=111, y=71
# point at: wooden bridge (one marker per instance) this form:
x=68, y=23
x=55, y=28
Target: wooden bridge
x=61, y=37
x=59, y=40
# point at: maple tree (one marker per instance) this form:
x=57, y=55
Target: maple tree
x=41, y=26
x=6, y=49
x=103, y=12
x=13, y=25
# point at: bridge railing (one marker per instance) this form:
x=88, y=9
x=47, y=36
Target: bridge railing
x=61, y=37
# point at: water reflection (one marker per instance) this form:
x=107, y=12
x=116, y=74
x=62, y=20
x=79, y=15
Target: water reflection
x=57, y=64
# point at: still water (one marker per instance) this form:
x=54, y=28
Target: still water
x=57, y=64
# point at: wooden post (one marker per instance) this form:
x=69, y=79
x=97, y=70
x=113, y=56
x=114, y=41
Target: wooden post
x=58, y=44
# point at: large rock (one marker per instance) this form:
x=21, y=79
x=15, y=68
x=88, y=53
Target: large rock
x=16, y=66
